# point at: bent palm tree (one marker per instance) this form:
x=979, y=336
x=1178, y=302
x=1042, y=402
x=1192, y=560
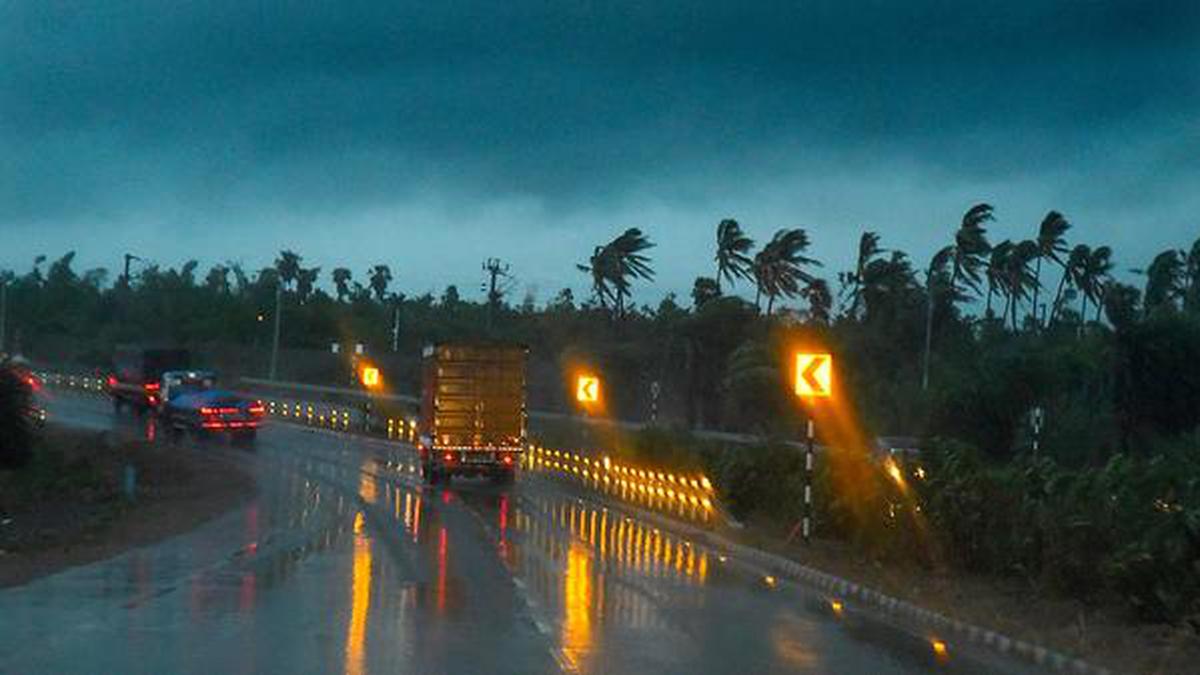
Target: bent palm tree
x=1050, y=244
x=868, y=249
x=996, y=280
x=1093, y=279
x=614, y=266
x=1019, y=280
x=779, y=266
x=1164, y=280
x=965, y=259
x=288, y=266
x=733, y=248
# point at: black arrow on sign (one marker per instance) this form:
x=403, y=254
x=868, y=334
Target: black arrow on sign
x=810, y=373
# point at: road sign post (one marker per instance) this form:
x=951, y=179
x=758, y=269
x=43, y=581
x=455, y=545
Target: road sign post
x=655, y=390
x=814, y=381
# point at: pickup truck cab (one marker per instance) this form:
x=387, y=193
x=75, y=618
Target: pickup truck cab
x=192, y=403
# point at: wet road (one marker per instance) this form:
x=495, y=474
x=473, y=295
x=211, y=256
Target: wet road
x=345, y=563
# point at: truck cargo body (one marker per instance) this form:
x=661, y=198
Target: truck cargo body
x=137, y=375
x=472, y=410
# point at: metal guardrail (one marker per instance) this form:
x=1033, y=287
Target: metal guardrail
x=689, y=497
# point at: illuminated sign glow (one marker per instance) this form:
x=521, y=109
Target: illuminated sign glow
x=587, y=389
x=814, y=375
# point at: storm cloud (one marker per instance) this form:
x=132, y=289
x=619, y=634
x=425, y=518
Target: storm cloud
x=432, y=135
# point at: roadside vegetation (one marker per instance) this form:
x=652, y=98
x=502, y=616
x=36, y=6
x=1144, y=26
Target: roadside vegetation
x=66, y=505
x=956, y=347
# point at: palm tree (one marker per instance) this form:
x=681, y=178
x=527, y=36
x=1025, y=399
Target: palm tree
x=341, y=281
x=868, y=249
x=629, y=263
x=733, y=248
x=1050, y=244
x=1164, y=280
x=614, y=266
x=1191, y=290
x=288, y=266
x=1072, y=272
x=1019, y=281
x=965, y=259
x=217, y=279
x=600, y=267
x=779, y=266
x=996, y=281
x=820, y=300
x=1093, y=278
x=378, y=278
x=305, y=281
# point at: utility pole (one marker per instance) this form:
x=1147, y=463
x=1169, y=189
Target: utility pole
x=495, y=269
x=129, y=257
x=275, y=341
x=928, y=330
x=396, y=328
x=3, y=311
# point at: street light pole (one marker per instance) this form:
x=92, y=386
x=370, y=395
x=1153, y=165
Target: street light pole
x=3, y=311
x=275, y=341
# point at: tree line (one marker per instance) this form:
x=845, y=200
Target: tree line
x=921, y=342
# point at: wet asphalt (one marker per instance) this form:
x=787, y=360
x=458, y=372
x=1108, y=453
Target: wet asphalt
x=345, y=563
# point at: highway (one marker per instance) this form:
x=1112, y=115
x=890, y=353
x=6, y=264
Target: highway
x=345, y=563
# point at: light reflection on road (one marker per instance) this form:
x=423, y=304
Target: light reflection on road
x=577, y=604
x=360, y=598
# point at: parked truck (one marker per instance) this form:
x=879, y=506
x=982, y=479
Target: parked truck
x=137, y=376
x=473, y=417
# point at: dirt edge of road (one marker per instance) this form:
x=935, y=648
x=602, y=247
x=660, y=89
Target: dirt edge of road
x=1102, y=632
x=67, y=508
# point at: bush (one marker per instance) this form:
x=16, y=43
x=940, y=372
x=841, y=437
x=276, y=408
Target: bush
x=16, y=433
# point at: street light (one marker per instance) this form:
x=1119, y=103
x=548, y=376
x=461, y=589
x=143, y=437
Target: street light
x=3, y=310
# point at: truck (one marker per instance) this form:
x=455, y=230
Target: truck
x=473, y=419
x=193, y=403
x=137, y=376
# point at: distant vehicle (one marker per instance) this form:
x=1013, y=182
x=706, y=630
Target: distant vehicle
x=137, y=376
x=192, y=402
x=473, y=419
x=35, y=412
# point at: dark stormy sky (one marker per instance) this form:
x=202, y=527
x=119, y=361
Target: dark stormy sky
x=432, y=135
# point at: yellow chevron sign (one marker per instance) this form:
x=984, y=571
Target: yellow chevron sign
x=814, y=375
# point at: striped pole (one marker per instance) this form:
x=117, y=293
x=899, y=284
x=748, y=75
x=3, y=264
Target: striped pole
x=808, y=476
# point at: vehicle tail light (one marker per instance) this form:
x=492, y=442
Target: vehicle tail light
x=448, y=457
x=257, y=409
x=507, y=459
x=112, y=381
x=151, y=386
x=208, y=410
